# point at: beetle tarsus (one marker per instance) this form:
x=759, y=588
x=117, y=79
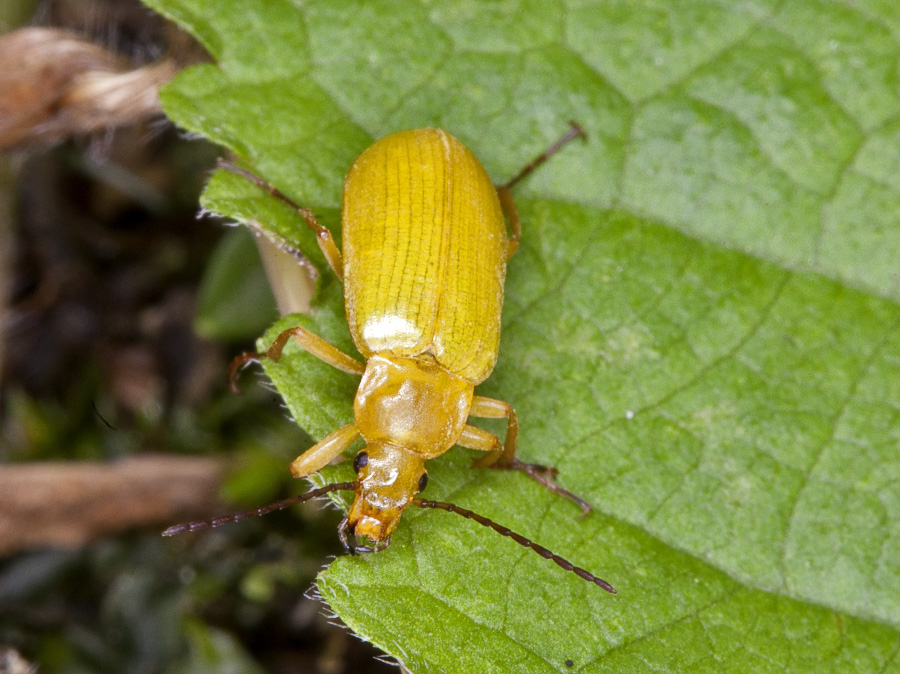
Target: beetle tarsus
x=575, y=132
x=578, y=130
x=544, y=475
x=259, y=182
x=237, y=365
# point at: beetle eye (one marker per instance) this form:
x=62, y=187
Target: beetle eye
x=361, y=460
x=423, y=481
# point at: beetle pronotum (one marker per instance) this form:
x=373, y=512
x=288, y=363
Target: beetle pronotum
x=423, y=264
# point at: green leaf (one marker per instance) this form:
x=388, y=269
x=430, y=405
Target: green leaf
x=700, y=331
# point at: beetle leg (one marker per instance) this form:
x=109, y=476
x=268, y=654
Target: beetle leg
x=310, y=341
x=504, y=458
x=504, y=192
x=512, y=217
x=484, y=441
x=489, y=408
x=571, y=134
x=323, y=236
x=544, y=476
x=321, y=454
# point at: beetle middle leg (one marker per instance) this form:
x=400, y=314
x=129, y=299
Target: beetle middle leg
x=323, y=236
x=310, y=341
x=503, y=457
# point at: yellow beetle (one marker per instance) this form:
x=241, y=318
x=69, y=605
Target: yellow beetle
x=423, y=266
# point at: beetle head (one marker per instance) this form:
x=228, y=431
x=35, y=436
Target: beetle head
x=388, y=479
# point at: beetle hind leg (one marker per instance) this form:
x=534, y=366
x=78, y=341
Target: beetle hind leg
x=503, y=457
x=504, y=192
x=544, y=476
x=508, y=204
x=323, y=235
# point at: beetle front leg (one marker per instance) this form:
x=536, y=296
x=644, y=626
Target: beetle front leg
x=488, y=408
x=503, y=457
x=323, y=236
x=314, y=344
x=322, y=453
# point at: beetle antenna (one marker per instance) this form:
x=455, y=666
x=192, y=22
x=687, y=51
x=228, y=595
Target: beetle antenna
x=573, y=133
x=518, y=538
x=263, y=510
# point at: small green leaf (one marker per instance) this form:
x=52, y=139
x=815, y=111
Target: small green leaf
x=700, y=330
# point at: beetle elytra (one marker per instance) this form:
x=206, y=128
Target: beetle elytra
x=425, y=248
